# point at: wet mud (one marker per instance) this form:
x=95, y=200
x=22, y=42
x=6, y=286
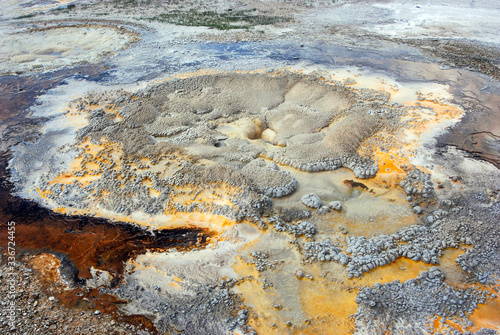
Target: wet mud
x=17, y=93
x=478, y=132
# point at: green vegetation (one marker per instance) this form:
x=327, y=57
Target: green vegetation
x=223, y=21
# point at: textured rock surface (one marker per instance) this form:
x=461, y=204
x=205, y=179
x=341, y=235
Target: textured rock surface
x=402, y=304
x=184, y=124
x=363, y=97
x=311, y=200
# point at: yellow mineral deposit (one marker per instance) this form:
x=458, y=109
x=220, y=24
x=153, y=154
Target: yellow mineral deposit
x=219, y=194
x=327, y=301
x=487, y=315
x=98, y=153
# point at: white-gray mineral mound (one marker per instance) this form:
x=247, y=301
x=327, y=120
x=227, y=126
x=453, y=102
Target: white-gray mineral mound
x=203, y=133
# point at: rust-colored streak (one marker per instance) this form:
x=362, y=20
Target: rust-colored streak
x=105, y=303
x=353, y=183
x=45, y=267
x=92, y=242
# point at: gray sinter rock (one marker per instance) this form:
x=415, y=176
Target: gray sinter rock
x=168, y=131
x=335, y=205
x=411, y=304
x=311, y=200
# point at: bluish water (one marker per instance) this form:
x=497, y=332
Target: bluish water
x=155, y=59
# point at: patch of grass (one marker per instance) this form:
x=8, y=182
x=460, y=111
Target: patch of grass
x=223, y=21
